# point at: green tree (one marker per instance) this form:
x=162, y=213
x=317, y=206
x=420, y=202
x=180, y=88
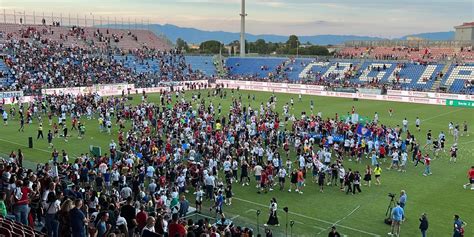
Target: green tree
x=314, y=50
x=210, y=47
x=181, y=44
x=260, y=46
x=293, y=42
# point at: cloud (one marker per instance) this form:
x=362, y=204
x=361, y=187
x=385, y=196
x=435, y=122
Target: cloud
x=303, y=17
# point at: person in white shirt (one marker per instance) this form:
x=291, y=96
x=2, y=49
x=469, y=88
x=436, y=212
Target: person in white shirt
x=227, y=168
x=258, y=173
x=152, y=187
x=150, y=172
x=341, y=174
x=405, y=124
x=51, y=207
x=403, y=162
x=108, y=123
x=150, y=226
x=5, y=118
x=235, y=168
x=199, y=196
x=302, y=162
x=281, y=178
x=395, y=160
x=181, y=180
x=125, y=192
x=327, y=158
x=418, y=123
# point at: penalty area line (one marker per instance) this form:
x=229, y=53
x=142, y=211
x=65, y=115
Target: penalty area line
x=336, y=223
x=312, y=218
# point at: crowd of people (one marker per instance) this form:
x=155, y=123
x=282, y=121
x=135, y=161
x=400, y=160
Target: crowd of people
x=36, y=63
x=142, y=183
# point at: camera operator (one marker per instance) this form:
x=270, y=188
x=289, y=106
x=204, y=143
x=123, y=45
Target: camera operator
x=403, y=199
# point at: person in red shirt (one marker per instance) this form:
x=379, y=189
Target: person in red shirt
x=427, y=165
x=382, y=152
x=470, y=175
x=21, y=202
x=263, y=181
x=141, y=218
x=175, y=228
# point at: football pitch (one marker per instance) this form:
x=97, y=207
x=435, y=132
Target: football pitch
x=440, y=195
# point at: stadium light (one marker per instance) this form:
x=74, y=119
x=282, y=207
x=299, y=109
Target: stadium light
x=242, y=29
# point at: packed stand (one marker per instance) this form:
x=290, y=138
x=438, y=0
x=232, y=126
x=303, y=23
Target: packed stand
x=40, y=64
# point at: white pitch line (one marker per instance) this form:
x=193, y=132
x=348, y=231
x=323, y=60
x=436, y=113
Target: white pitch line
x=232, y=218
x=463, y=143
x=335, y=223
x=38, y=149
x=312, y=218
x=319, y=228
x=299, y=222
x=250, y=210
x=441, y=115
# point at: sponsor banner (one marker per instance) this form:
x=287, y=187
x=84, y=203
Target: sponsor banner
x=394, y=97
x=103, y=90
x=345, y=89
x=367, y=96
x=11, y=94
x=315, y=87
x=460, y=103
x=13, y=100
x=370, y=91
x=112, y=89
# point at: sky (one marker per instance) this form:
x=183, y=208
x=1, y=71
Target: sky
x=381, y=18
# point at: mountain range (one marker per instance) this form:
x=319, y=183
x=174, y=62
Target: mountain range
x=196, y=36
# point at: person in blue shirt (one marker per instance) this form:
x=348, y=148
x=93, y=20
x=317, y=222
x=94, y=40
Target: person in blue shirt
x=458, y=227
x=219, y=203
x=397, y=217
x=102, y=226
x=78, y=220
x=403, y=199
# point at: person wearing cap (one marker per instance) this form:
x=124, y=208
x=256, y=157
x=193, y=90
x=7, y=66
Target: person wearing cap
x=334, y=233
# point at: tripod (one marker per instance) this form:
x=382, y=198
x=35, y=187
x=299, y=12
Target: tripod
x=390, y=206
x=286, y=226
x=258, y=226
x=292, y=222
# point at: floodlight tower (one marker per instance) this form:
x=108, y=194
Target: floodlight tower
x=242, y=30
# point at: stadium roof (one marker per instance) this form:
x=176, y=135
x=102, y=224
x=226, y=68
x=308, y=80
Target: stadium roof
x=466, y=25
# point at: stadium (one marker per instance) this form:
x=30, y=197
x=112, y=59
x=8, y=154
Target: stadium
x=115, y=125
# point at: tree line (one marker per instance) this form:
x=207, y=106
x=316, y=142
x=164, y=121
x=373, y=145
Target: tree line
x=291, y=47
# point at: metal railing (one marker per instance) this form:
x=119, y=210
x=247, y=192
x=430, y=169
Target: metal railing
x=410, y=43
x=66, y=19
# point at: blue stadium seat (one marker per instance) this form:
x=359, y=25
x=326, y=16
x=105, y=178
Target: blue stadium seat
x=203, y=64
x=253, y=66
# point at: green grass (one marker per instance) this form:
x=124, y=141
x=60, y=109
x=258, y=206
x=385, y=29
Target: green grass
x=440, y=195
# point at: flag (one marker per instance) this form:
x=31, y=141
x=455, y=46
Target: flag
x=363, y=131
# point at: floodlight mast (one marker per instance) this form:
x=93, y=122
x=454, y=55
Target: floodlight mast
x=242, y=30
